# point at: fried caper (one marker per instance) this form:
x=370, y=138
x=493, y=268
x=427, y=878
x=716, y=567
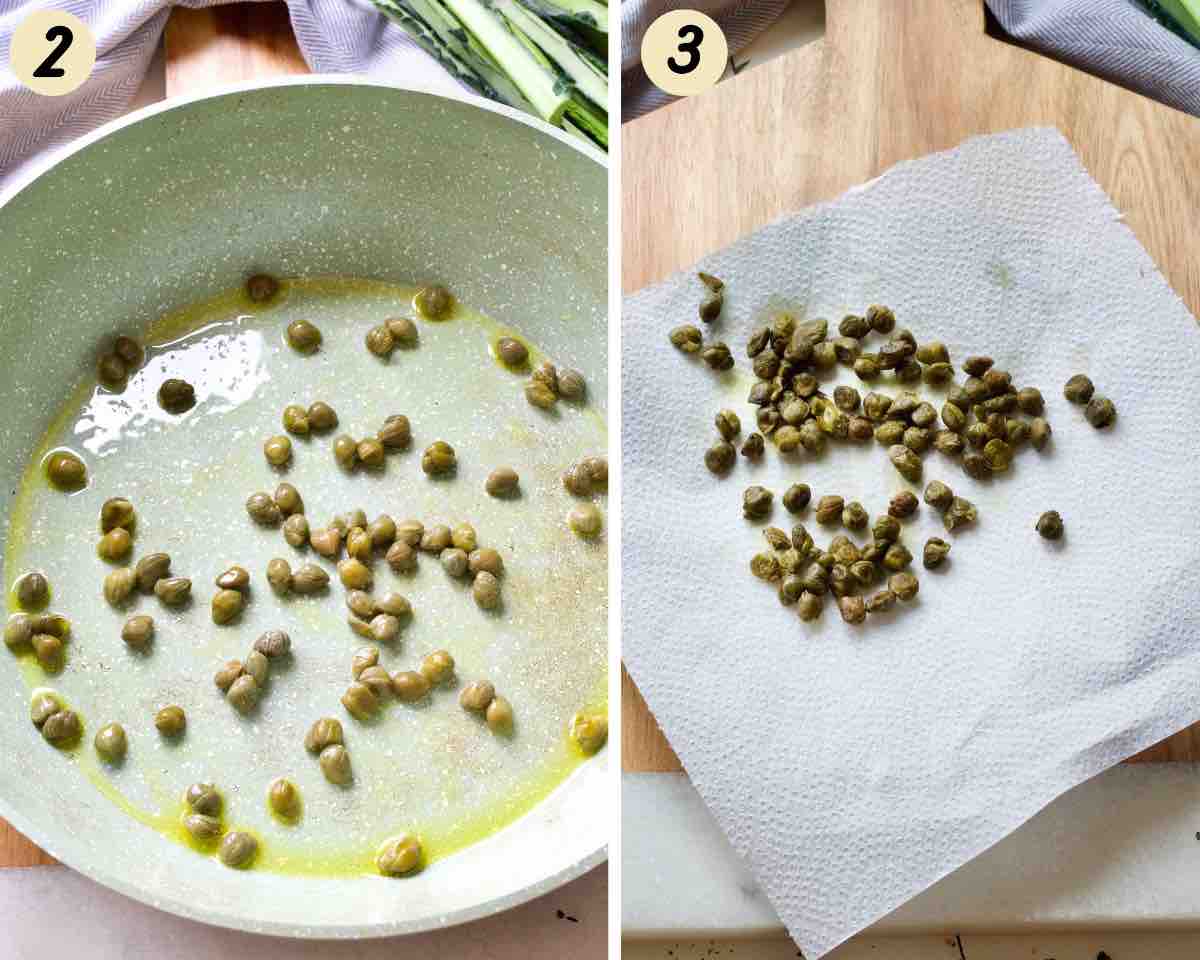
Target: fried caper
x=309, y=578
x=115, y=545
x=261, y=287
x=173, y=591
x=360, y=701
x=226, y=605
x=399, y=856
x=335, y=764
x=476, y=695
x=588, y=731
x=65, y=470
x=138, y=632
x=171, y=721
x=323, y=733
x=303, y=336
x=32, y=590
x=237, y=849
x=438, y=459
x=49, y=651
x=512, y=352
x=586, y=520
x=176, y=396
x=283, y=798
x=263, y=509
x=111, y=743
x=119, y=586
x=434, y=302
x=243, y=693
x=437, y=667
x=502, y=482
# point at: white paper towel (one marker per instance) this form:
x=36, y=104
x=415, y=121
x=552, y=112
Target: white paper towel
x=853, y=766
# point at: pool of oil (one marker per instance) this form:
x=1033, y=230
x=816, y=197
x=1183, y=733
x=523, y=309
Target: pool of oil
x=432, y=768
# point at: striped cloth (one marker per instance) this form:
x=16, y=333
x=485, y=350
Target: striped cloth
x=335, y=36
x=1115, y=39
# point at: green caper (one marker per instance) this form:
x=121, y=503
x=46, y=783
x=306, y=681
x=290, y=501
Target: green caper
x=384, y=627
x=399, y=856
x=201, y=827
x=1078, y=389
x=881, y=601
x=227, y=674
x=409, y=686
x=434, y=302
x=365, y=658
x=233, y=578
x=283, y=798
x=303, y=336
x=309, y=578
x=886, y=528
x=65, y=470
x=890, y=432
x=243, y=693
x=1039, y=433
x=261, y=287
x=263, y=509
x=115, y=545
x=998, y=455
x=358, y=545
x=138, y=632
x=571, y=384
x=226, y=605
x=588, y=731
x=170, y=721
x=361, y=603
x=938, y=495
x=295, y=420
x=62, y=729
x=539, y=395
x=936, y=551
x=438, y=459
x=173, y=591
x=396, y=432
x=18, y=631
x=437, y=667
x=757, y=502
x=354, y=574
x=502, y=482
x=796, y=497
x=379, y=341
x=686, y=338
x=486, y=590
x=903, y=585
x=512, y=352
x=287, y=498
x=116, y=512
x=129, y=351
x=176, y=396
x=49, y=651
x=279, y=575
x=896, y=557
x=257, y=667
x=326, y=541
x=111, y=371
x=907, y=463
x=717, y=356
x=852, y=608
x=119, y=586
x=948, y=442
x=32, y=590
x=1100, y=412
x=728, y=424
x=401, y=557
x=43, y=705
x=710, y=305
x=585, y=520
x=960, y=513
x=111, y=743
x=454, y=561
x=335, y=764
x=278, y=450
x=809, y=606
x=854, y=516
x=485, y=560
x=765, y=566
x=403, y=331
x=997, y=381
x=976, y=465
x=204, y=798
x=360, y=702
x=370, y=453
x=321, y=417
x=499, y=715
x=436, y=539
x=476, y=696
x=237, y=849
x=829, y=509
x=323, y=733
x=1050, y=525
x=345, y=450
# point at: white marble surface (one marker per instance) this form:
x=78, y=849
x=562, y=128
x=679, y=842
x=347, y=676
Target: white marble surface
x=1118, y=852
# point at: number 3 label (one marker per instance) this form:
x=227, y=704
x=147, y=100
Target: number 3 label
x=684, y=52
x=52, y=52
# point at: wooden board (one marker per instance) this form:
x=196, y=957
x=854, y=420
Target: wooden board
x=204, y=48
x=891, y=80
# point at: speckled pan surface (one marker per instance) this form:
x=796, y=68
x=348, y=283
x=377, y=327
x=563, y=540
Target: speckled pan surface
x=309, y=180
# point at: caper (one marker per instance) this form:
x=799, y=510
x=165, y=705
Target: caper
x=32, y=590
x=438, y=458
x=309, y=578
x=237, y=849
x=502, y=482
x=1078, y=389
x=257, y=667
x=363, y=659
x=539, y=395
x=486, y=590
x=295, y=420
x=1100, y=412
x=129, y=351
x=585, y=520
x=959, y=513
x=907, y=463
x=588, y=731
x=176, y=396
x=757, y=502
x=395, y=434
x=62, y=729
x=226, y=605
x=18, y=631
x=283, y=798
x=49, y=651
x=111, y=743
x=728, y=424
x=904, y=586
x=717, y=356
x=119, y=585
x=358, y=544
x=796, y=497
x=170, y=721
x=115, y=545
x=279, y=575
x=403, y=331
x=436, y=539
x=335, y=761
x=201, y=827
x=354, y=574
x=138, y=632
x=437, y=667
x=499, y=715
x=829, y=509
x=1039, y=433
x=938, y=495
x=243, y=693
x=42, y=706
x=234, y=578
x=886, y=528
x=229, y=672
x=571, y=385
x=173, y=591
x=890, y=432
x=512, y=352
x=434, y=302
x=263, y=509
x=485, y=560
x=361, y=603
x=379, y=341
x=111, y=371
x=360, y=701
x=116, y=512
x=261, y=287
x=376, y=679
x=303, y=336
x=977, y=366
x=854, y=516
x=809, y=606
x=686, y=338
x=370, y=453
x=327, y=541
x=345, y=450
x=323, y=733
x=881, y=601
x=385, y=627
x=936, y=551
x=401, y=557
x=1050, y=525
x=65, y=470
x=710, y=306
x=399, y=856
x=476, y=695
x=454, y=562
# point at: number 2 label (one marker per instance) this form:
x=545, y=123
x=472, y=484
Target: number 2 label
x=52, y=52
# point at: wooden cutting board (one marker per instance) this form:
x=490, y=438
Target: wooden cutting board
x=891, y=80
x=204, y=49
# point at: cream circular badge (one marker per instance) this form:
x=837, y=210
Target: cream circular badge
x=52, y=52
x=684, y=52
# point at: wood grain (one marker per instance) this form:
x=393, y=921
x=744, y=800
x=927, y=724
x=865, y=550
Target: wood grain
x=204, y=49
x=891, y=80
